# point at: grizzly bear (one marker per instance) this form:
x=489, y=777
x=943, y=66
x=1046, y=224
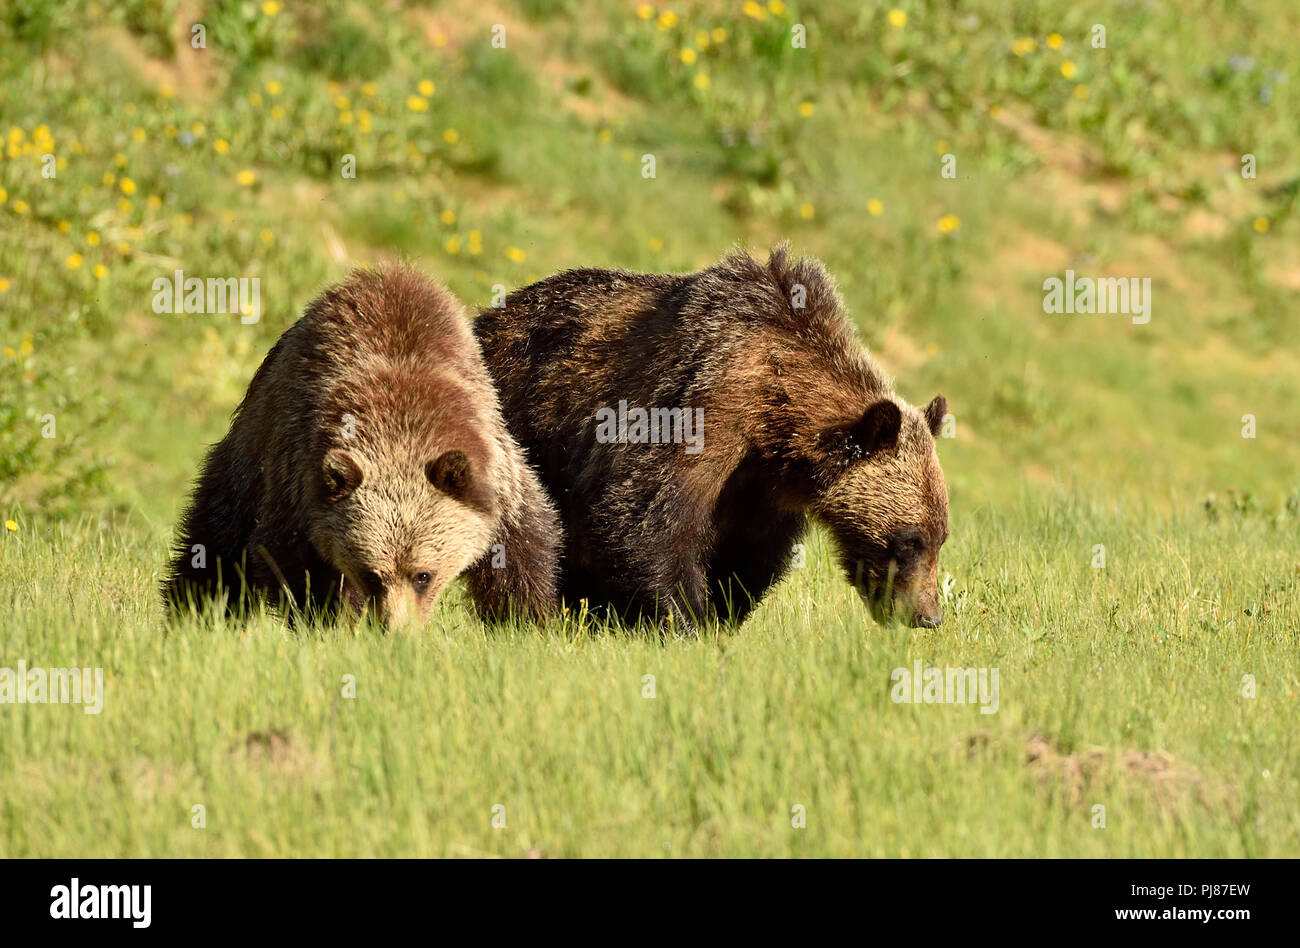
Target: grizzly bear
x=367, y=467
x=689, y=426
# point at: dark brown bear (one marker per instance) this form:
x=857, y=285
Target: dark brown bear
x=796, y=422
x=369, y=466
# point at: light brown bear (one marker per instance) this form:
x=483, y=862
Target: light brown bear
x=367, y=467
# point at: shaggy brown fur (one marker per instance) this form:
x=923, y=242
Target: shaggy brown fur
x=369, y=466
x=797, y=422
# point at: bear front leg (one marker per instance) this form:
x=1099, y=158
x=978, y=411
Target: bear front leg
x=518, y=573
x=655, y=528
x=208, y=558
x=748, y=559
x=665, y=574
x=687, y=604
x=684, y=609
x=288, y=574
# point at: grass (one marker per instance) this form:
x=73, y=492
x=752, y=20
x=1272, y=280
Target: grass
x=1121, y=686
x=555, y=724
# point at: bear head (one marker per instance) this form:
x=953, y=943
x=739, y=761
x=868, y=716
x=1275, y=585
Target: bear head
x=399, y=530
x=884, y=499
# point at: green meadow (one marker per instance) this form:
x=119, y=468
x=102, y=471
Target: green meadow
x=1125, y=494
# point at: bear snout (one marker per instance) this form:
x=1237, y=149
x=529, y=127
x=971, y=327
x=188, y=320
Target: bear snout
x=927, y=620
x=398, y=609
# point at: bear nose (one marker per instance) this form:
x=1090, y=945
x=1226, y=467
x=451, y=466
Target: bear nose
x=927, y=621
x=398, y=609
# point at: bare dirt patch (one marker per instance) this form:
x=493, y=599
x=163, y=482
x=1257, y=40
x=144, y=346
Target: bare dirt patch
x=1054, y=149
x=1167, y=780
x=192, y=72
x=578, y=88
x=276, y=751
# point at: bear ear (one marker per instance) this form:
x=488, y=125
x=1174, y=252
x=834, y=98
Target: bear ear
x=935, y=412
x=342, y=474
x=450, y=473
x=877, y=429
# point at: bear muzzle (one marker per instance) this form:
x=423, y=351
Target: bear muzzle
x=889, y=603
x=399, y=608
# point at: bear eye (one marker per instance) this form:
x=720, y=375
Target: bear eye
x=421, y=581
x=372, y=581
x=907, y=546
